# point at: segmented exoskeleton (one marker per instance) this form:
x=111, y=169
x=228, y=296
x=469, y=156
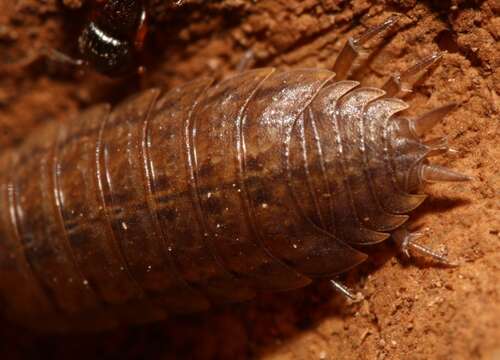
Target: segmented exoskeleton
x=207, y=194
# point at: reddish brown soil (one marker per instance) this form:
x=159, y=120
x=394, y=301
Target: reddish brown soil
x=412, y=310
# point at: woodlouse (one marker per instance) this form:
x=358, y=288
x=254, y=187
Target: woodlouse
x=209, y=193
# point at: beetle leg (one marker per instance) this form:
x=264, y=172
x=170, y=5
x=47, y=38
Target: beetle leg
x=49, y=53
x=20, y=64
x=60, y=57
x=399, y=81
x=352, y=49
x=346, y=292
x=407, y=243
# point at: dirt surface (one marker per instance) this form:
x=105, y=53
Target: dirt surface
x=412, y=310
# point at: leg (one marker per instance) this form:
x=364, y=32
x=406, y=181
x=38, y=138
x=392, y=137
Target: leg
x=351, y=50
x=57, y=56
x=407, y=243
x=346, y=292
x=49, y=53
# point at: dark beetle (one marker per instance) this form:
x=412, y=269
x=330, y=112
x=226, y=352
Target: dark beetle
x=114, y=36
x=111, y=42
x=209, y=193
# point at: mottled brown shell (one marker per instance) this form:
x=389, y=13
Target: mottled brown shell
x=202, y=196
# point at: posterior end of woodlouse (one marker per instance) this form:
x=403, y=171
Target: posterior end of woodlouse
x=422, y=125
